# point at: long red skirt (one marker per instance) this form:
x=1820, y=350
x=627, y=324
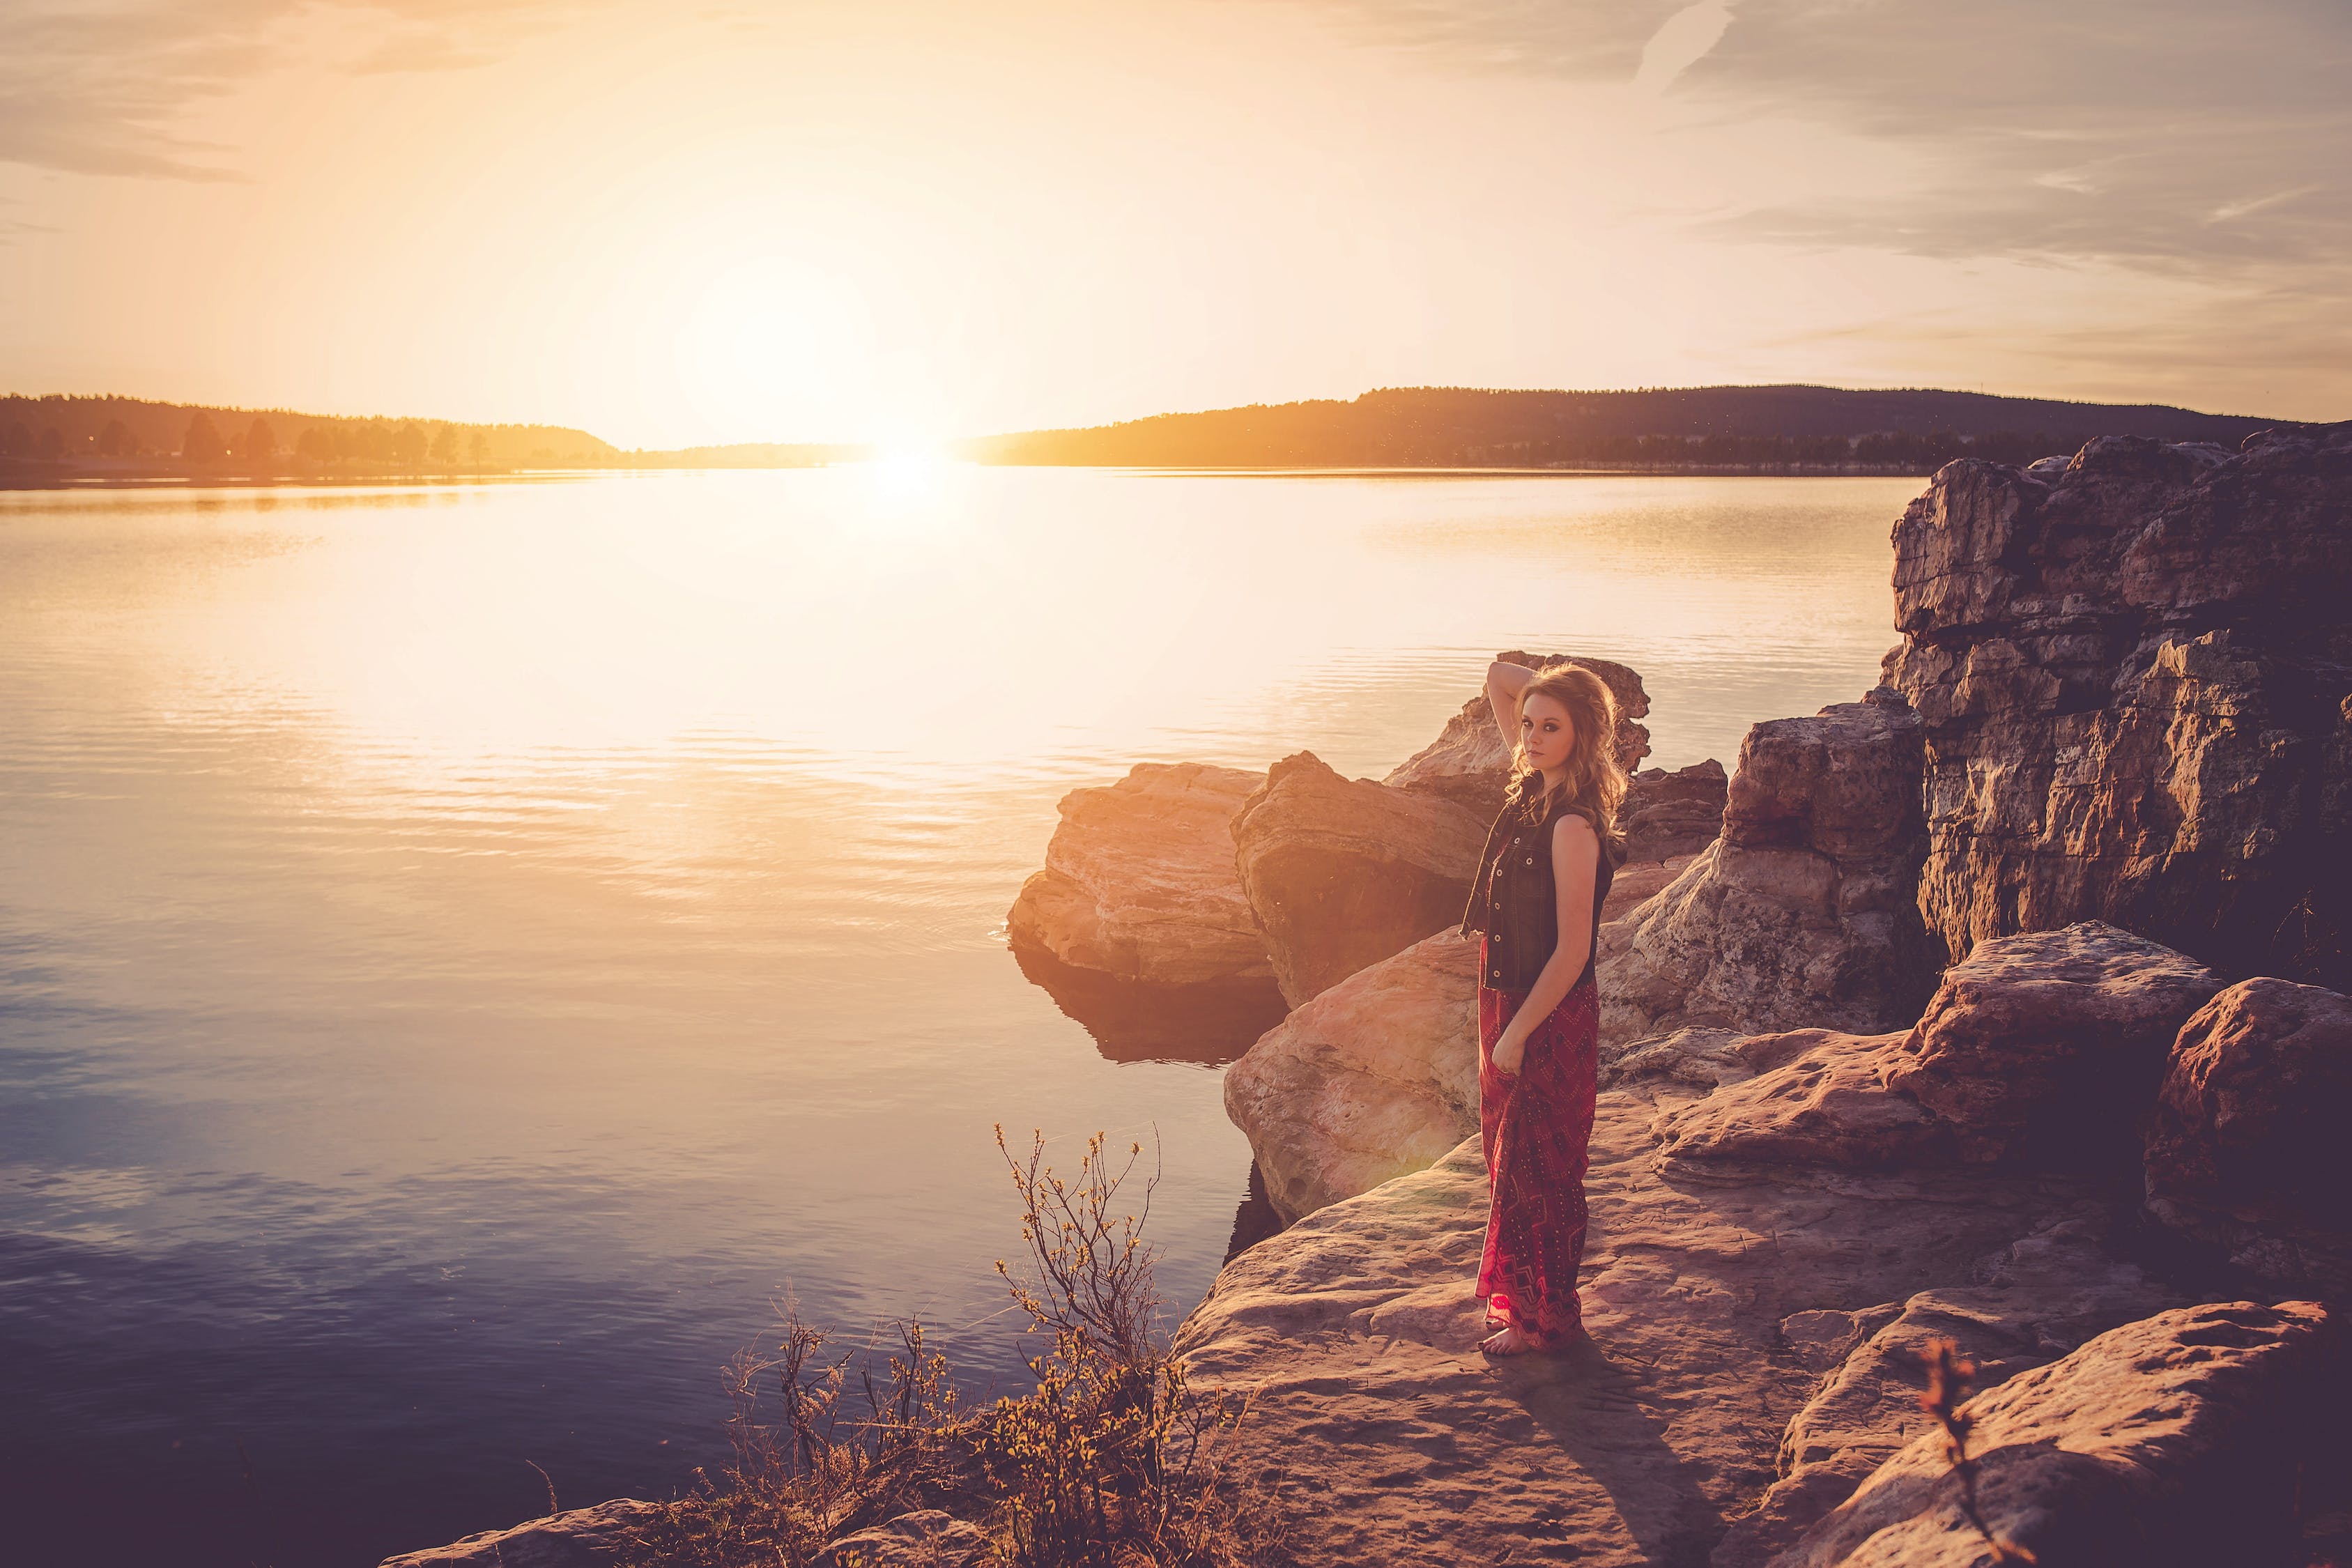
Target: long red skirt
x=1537, y=1125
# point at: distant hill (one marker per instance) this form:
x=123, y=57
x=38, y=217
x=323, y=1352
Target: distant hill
x=1729, y=427
x=126, y=434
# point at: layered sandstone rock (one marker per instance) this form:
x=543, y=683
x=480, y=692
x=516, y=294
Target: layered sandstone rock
x=1374, y=1078
x=2045, y=1046
x=1341, y=873
x=2172, y=1440
x=1357, y=1331
x=2134, y=673
x=1801, y=913
x=1468, y=763
x=1140, y=882
x=2248, y=1147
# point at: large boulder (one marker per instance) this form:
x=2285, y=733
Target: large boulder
x=2050, y=1043
x=1139, y=882
x=2133, y=671
x=2170, y=1442
x=1356, y=1331
x=1801, y=913
x=2247, y=1148
x=1341, y=873
x=2046, y=1047
x=1468, y=763
x=1374, y=1078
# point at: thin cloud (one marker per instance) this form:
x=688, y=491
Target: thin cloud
x=1586, y=40
x=1681, y=42
x=2163, y=134
x=105, y=91
x=2228, y=211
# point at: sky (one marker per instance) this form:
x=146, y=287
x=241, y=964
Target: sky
x=900, y=220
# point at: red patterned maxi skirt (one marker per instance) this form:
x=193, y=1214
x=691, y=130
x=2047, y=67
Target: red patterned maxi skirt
x=1537, y=1124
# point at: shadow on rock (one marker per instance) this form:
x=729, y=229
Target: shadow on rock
x=1589, y=1404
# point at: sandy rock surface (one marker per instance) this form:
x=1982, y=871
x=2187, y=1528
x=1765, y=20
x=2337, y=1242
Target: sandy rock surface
x=1341, y=873
x=1801, y=914
x=2029, y=1303
x=2133, y=671
x=577, y=1538
x=1375, y=1078
x=1469, y=766
x=1696, y=1057
x=2169, y=1441
x=1357, y=1331
x=1139, y=881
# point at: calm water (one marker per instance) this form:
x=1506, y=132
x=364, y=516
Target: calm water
x=465, y=953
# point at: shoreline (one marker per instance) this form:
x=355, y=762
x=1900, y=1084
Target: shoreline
x=82, y=480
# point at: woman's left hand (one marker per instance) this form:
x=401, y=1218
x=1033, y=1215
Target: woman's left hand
x=1508, y=1052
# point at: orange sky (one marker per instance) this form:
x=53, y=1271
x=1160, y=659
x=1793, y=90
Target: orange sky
x=895, y=221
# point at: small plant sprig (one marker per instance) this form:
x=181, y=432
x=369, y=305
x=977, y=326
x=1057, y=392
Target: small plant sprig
x=1950, y=1379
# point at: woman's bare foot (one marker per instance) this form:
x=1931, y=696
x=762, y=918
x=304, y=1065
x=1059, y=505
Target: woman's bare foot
x=1512, y=1341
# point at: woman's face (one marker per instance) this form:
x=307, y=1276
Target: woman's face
x=1545, y=731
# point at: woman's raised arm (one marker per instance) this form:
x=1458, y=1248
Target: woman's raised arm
x=1504, y=684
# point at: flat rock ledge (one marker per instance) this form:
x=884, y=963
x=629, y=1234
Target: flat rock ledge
x=1357, y=1335
x=1140, y=883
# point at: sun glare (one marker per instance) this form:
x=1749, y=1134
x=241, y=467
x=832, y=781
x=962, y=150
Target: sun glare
x=909, y=470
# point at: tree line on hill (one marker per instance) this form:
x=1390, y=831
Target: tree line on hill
x=115, y=435
x=1786, y=428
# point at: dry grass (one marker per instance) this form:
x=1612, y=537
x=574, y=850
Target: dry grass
x=1113, y=1461
x=1950, y=1378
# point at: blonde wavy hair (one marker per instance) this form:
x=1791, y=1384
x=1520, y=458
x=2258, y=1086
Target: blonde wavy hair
x=1593, y=781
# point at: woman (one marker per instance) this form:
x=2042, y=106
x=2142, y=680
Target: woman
x=1547, y=868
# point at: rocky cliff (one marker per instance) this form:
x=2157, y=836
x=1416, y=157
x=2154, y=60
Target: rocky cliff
x=2133, y=671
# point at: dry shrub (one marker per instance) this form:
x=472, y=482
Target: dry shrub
x=1113, y=1461
x=1950, y=1378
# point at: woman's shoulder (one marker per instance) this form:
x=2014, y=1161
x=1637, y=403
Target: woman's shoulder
x=1586, y=823
x=1568, y=819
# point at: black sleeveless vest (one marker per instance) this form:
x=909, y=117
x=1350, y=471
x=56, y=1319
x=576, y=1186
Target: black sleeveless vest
x=1514, y=899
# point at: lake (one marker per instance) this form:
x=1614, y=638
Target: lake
x=466, y=953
